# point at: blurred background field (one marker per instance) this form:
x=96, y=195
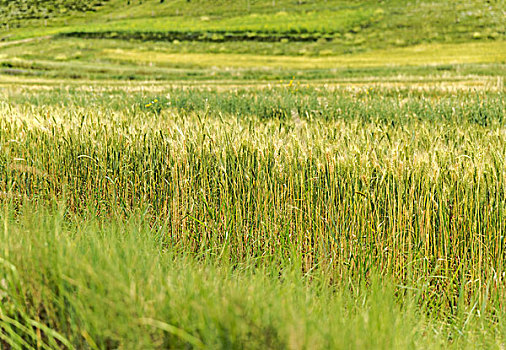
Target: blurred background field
x=251, y=40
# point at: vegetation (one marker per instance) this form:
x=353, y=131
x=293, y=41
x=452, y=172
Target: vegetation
x=17, y=12
x=282, y=174
x=120, y=60
x=326, y=186
x=345, y=26
x=123, y=285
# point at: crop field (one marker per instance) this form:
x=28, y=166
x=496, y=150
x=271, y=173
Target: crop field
x=252, y=174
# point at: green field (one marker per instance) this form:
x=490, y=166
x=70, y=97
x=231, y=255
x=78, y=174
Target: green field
x=280, y=174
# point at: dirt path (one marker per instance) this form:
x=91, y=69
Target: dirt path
x=22, y=41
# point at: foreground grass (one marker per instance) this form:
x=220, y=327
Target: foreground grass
x=116, y=284
x=286, y=216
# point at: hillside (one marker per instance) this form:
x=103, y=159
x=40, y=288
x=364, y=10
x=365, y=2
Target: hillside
x=362, y=24
x=252, y=174
x=184, y=40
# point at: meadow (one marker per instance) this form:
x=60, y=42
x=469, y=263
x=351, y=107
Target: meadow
x=264, y=177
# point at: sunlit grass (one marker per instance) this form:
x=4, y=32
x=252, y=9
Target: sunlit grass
x=260, y=216
x=99, y=59
x=255, y=213
x=266, y=192
x=433, y=54
x=100, y=285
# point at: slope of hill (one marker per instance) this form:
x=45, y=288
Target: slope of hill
x=137, y=39
x=358, y=23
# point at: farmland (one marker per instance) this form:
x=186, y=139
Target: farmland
x=256, y=174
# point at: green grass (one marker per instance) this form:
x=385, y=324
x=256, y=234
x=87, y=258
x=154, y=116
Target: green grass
x=120, y=60
x=17, y=12
x=254, y=218
x=436, y=54
x=331, y=172
x=124, y=285
x=358, y=26
x=259, y=41
x=252, y=174
x=321, y=21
